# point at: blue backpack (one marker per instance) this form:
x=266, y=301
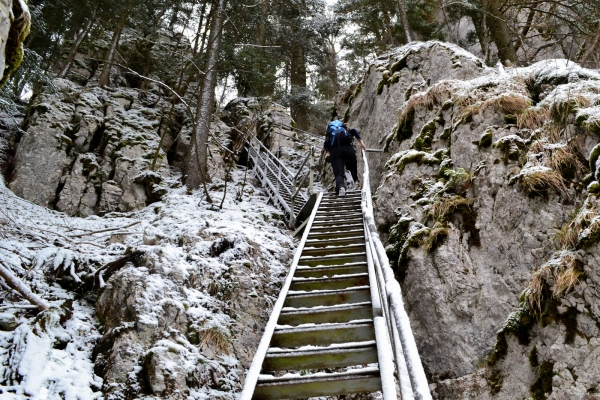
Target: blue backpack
x=338, y=133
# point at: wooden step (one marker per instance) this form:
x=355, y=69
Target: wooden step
x=328, y=298
x=318, y=272
x=333, y=259
x=336, y=216
x=309, y=386
x=324, y=315
x=321, y=358
x=340, y=221
x=337, y=250
x=339, y=208
x=339, y=282
x=358, y=239
x=334, y=235
x=323, y=335
x=336, y=228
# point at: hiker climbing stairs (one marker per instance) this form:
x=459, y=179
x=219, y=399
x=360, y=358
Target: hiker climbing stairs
x=339, y=325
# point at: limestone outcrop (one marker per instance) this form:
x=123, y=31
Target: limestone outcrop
x=487, y=196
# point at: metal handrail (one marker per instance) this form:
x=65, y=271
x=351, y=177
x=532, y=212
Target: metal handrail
x=263, y=346
x=286, y=181
x=407, y=360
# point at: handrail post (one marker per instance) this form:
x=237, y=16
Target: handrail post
x=310, y=171
x=278, y=177
x=293, y=201
x=257, y=155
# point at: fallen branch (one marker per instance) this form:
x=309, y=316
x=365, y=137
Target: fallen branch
x=105, y=272
x=18, y=285
x=19, y=306
x=105, y=230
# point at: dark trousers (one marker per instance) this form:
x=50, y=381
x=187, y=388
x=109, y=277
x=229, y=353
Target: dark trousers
x=340, y=156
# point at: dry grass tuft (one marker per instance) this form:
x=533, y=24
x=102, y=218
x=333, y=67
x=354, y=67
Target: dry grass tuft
x=435, y=237
x=218, y=336
x=568, y=235
x=557, y=277
x=435, y=95
x=513, y=103
x=445, y=206
x=533, y=118
x=540, y=180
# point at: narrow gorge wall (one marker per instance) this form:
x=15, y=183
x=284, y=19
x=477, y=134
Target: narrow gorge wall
x=487, y=195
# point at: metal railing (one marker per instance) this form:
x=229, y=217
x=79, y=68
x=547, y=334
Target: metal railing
x=408, y=367
x=287, y=190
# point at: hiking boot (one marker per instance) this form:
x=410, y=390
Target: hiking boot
x=342, y=191
x=350, y=186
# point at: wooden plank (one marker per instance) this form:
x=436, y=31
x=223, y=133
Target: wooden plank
x=335, y=259
x=350, y=312
x=337, y=250
x=335, y=241
x=318, y=272
x=329, y=298
x=336, y=283
x=323, y=335
x=308, y=386
x=320, y=359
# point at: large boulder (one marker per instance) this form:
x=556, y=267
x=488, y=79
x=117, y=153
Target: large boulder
x=487, y=197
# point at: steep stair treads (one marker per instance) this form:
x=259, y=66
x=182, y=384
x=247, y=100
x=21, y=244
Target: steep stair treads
x=322, y=338
x=277, y=180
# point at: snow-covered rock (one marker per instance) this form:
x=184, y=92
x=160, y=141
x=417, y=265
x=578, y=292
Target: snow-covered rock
x=486, y=176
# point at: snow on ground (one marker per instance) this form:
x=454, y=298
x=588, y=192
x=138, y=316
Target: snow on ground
x=49, y=355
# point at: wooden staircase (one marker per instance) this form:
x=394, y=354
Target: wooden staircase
x=324, y=342
x=279, y=182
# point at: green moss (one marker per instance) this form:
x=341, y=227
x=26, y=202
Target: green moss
x=594, y=155
x=495, y=379
x=594, y=187
x=395, y=79
x=533, y=357
x=543, y=385
x=13, y=53
x=425, y=138
x=396, y=239
x=447, y=105
x=519, y=324
x=510, y=119
x=382, y=83
x=447, y=133
x=398, y=65
x=486, y=139
x=404, y=129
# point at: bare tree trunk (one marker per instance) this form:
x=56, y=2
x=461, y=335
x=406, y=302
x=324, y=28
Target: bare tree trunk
x=479, y=21
x=591, y=49
x=298, y=82
x=195, y=171
x=261, y=34
x=18, y=285
x=500, y=31
x=332, y=67
x=404, y=20
x=75, y=47
x=104, y=79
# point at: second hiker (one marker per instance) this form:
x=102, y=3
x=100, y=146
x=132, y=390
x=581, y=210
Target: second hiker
x=338, y=143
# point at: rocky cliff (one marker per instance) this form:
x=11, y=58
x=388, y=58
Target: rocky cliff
x=153, y=291
x=487, y=195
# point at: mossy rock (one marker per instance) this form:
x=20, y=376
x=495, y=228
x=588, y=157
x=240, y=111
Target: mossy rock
x=543, y=385
x=19, y=29
x=425, y=138
x=594, y=155
x=486, y=139
x=594, y=187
